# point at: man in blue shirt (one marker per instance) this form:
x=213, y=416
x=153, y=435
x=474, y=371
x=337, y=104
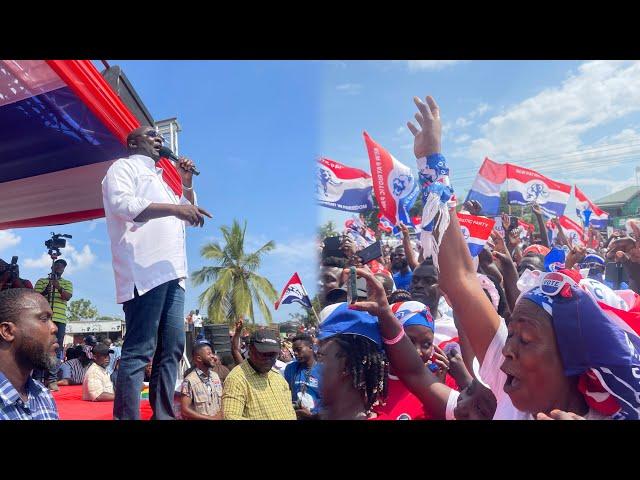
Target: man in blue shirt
x=27, y=341
x=303, y=376
x=402, y=273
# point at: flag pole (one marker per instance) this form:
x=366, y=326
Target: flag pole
x=316, y=315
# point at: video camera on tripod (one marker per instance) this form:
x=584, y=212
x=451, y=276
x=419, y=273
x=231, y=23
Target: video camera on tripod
x=55, y=243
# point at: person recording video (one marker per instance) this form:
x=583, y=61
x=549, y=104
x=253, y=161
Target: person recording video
x=58, y=291
x=10, y=276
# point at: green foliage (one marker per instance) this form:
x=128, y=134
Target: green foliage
x=81, y=309
x=109, y=318
x=327, y=230
x=306, y=316
x=235, y=287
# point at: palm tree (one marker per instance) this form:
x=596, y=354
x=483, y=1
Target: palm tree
x=235, y=285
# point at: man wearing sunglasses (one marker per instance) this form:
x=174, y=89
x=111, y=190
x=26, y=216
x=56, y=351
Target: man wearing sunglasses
x=146, y=221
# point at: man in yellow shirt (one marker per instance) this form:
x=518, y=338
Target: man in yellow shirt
x=254, y=390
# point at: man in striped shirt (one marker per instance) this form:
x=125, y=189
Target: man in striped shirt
x=72, y=371
x=58, y=291
x=27, y=341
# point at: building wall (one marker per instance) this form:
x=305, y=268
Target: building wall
x=618, y=216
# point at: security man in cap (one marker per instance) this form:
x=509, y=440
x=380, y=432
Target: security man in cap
x=201, y=391
x=254, y=390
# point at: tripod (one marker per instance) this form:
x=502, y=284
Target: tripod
x=52, y=275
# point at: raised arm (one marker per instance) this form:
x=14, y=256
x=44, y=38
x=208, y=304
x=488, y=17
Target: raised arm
x=408, y=249
x=404, y=358
x=507, y=268
x=562, y=238
x=544, y=238
x=457, y=274
x=235, y=343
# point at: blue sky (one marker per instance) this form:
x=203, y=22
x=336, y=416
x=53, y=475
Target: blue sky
x=251, y=127
x=573, y=121
x=256, y=128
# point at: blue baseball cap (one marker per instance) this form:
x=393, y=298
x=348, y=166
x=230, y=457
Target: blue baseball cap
x=593, y=258
x=554, y=260
x=337, y=319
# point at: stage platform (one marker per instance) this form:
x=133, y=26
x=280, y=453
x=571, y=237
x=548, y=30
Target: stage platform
x=72, y=407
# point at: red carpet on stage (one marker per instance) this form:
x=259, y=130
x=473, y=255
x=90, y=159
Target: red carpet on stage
x=72, y=407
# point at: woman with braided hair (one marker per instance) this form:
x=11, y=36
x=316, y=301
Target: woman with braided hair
x=355, y=367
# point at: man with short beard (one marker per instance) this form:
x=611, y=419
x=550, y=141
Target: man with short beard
x=329, y=280
x=402, y=274
x=27, y=341
x=424, y=286
x=425, y=289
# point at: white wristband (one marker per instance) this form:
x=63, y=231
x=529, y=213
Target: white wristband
x=187, y=188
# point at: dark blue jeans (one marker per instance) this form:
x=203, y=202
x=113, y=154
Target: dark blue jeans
x=155, y=329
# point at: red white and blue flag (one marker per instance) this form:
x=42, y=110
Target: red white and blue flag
x=525, y=186
x=384, y=224
x=525, y=228
x=359, y=231
x=394, y=184
x=294, y=292
x=343, y=188
x=486, y=186
x=476, y=231
x=573, y=231
x=589, y=213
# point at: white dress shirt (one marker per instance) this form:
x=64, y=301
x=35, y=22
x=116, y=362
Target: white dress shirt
x=145, y=254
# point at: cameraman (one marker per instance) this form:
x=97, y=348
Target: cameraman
x=10, y=277
x=62, y=292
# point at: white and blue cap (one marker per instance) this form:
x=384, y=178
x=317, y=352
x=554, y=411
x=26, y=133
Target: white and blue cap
x=338, y=319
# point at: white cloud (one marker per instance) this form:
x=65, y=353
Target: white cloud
x=480, y=110
x=8, y=239
x=349, y=88
x=553, y=121
x=608, y=186
x=297, y=250
x=76, y=260
x=462, y=138
x=431, y=65
x=463, y=122
x=94, y=223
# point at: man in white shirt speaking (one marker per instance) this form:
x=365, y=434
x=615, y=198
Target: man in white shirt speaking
x=146, y=220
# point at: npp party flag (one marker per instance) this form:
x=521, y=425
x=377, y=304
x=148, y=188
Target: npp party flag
x=525, y=186
x=343, y=188
x=394, y=185
x=589, y=213
x=476, y=231
x=486, y=186
x=294, y=292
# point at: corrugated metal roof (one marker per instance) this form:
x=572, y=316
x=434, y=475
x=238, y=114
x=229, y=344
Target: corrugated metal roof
x=622, y=196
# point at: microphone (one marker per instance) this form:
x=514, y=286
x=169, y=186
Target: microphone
x=166, y=152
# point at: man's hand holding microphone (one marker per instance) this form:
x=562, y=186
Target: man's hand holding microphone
x=187, y=168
